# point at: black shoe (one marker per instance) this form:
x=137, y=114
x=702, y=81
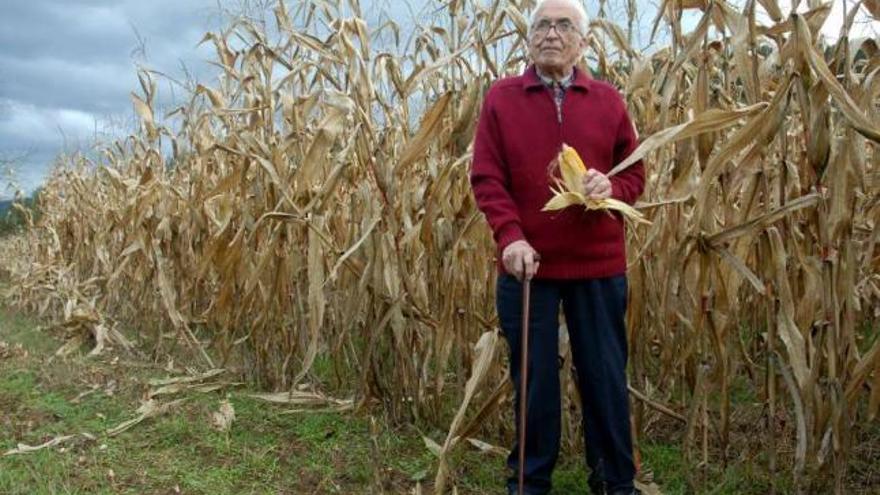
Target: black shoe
x=597, y=487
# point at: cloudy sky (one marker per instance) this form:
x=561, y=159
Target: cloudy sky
x=67, y=68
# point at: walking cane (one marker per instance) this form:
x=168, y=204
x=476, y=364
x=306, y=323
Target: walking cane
x=523, y=378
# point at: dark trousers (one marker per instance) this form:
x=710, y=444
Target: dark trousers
x=594, y=313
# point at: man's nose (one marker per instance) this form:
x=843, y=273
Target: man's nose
x=552, y=34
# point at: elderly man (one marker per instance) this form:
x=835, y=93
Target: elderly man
x=574, y=258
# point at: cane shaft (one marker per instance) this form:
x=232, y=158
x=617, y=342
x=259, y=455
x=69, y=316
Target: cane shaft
x=523, y=381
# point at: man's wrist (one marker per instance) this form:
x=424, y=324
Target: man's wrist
x=509, y=234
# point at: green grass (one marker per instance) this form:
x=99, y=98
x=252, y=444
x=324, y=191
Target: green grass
x=267, y=451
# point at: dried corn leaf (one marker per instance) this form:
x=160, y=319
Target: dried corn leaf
x=861, y=122
x=710, y=121
x=222, y=419
x=485, y=350
x=148, y=409
x=27, y=449
x=300, y=398
x=785, y=326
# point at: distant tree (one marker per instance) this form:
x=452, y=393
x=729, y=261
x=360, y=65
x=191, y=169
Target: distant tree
x=17, y=214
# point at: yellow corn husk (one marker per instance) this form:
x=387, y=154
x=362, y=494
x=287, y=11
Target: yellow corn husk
x=569, y=190
x=572, y=168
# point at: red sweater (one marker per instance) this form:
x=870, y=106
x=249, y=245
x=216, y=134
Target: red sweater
x=518, y=136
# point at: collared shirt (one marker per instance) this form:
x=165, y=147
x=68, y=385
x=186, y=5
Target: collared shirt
x=557, y=89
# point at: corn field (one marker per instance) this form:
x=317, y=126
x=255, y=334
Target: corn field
x=311, y=207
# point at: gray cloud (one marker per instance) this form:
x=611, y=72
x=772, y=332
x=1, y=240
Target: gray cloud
x=89, y=33
x=67, y=68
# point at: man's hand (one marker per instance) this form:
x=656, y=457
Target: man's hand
x=596, y=185
x=520, y=260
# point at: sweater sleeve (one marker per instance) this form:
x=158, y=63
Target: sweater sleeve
x=490, y=180
x=628, y=185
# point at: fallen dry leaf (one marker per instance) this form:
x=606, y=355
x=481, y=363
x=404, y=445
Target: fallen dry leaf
x=27, y=449
x=222, y=419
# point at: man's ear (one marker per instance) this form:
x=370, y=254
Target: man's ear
x=583, y=43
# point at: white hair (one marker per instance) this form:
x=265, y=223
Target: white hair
x=583, y=23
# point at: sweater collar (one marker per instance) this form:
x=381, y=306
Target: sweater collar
x=550, y=82
x=532, y=80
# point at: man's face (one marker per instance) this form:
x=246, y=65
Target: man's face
x=556, y=42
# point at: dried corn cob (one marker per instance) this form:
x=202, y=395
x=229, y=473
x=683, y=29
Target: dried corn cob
x=569, y=189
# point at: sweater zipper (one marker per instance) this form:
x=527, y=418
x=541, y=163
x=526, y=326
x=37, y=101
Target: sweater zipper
x=558, y=106
x=559, y=114
x=559, y=117
x=552, y=95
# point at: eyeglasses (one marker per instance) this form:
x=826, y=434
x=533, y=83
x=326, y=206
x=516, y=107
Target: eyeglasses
x=563, y=27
